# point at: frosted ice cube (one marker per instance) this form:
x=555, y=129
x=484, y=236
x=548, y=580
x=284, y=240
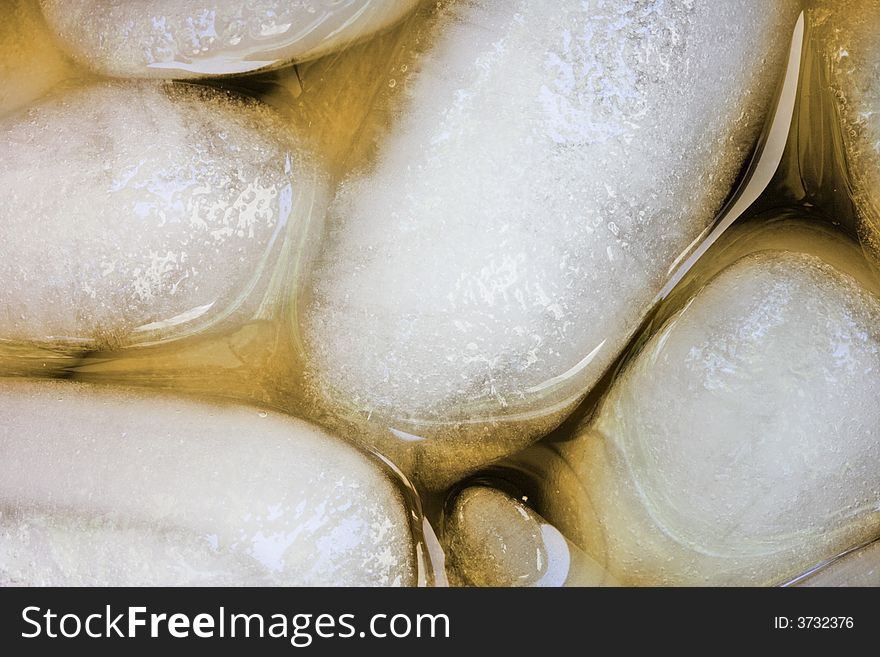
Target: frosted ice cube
x=741, y=445
x=30, y=61
x=848, y=43
x=104, y=485
x=195, y=38
x=495, y=540
x=542, y=176
x=135, y=212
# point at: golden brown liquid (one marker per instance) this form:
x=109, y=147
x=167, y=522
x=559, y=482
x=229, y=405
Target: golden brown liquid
x=346, y=102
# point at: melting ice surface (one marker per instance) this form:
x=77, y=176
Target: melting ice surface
x=195, y=38
x=140, y=211
x=848, y=42
x=741, y=445
x=104, y=486
x=544, y=173
x=493, y=539
x=30, y=61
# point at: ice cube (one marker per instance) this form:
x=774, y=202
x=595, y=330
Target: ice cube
x=846, y=40
x=741, y=443
x=139, y=212
x=538, y=182
x=103, y=485
x=30, y=61
x=196, y=38
x=496, y=540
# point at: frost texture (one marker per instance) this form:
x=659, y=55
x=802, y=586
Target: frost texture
x=118, y=487
x=742, y=444
x=30, y=61
x=848, y=41
x=545, y=171
x=193, y=38
x=141, y=211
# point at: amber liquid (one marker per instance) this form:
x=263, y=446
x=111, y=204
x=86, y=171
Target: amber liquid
x=262, y=362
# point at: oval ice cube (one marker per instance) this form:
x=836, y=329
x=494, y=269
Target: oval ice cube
x=741, y=443
x=137, y=212
x=493, y=539
x=543, y=175
x=103, y=485
x=197, y=38
x=336, y=101
x=30, y=61
x=846, y=39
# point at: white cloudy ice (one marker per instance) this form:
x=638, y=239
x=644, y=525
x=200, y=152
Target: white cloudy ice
x=107, y=486
x=196, y=38
x=741, y=445
x=541, y=176
x=136, y=212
